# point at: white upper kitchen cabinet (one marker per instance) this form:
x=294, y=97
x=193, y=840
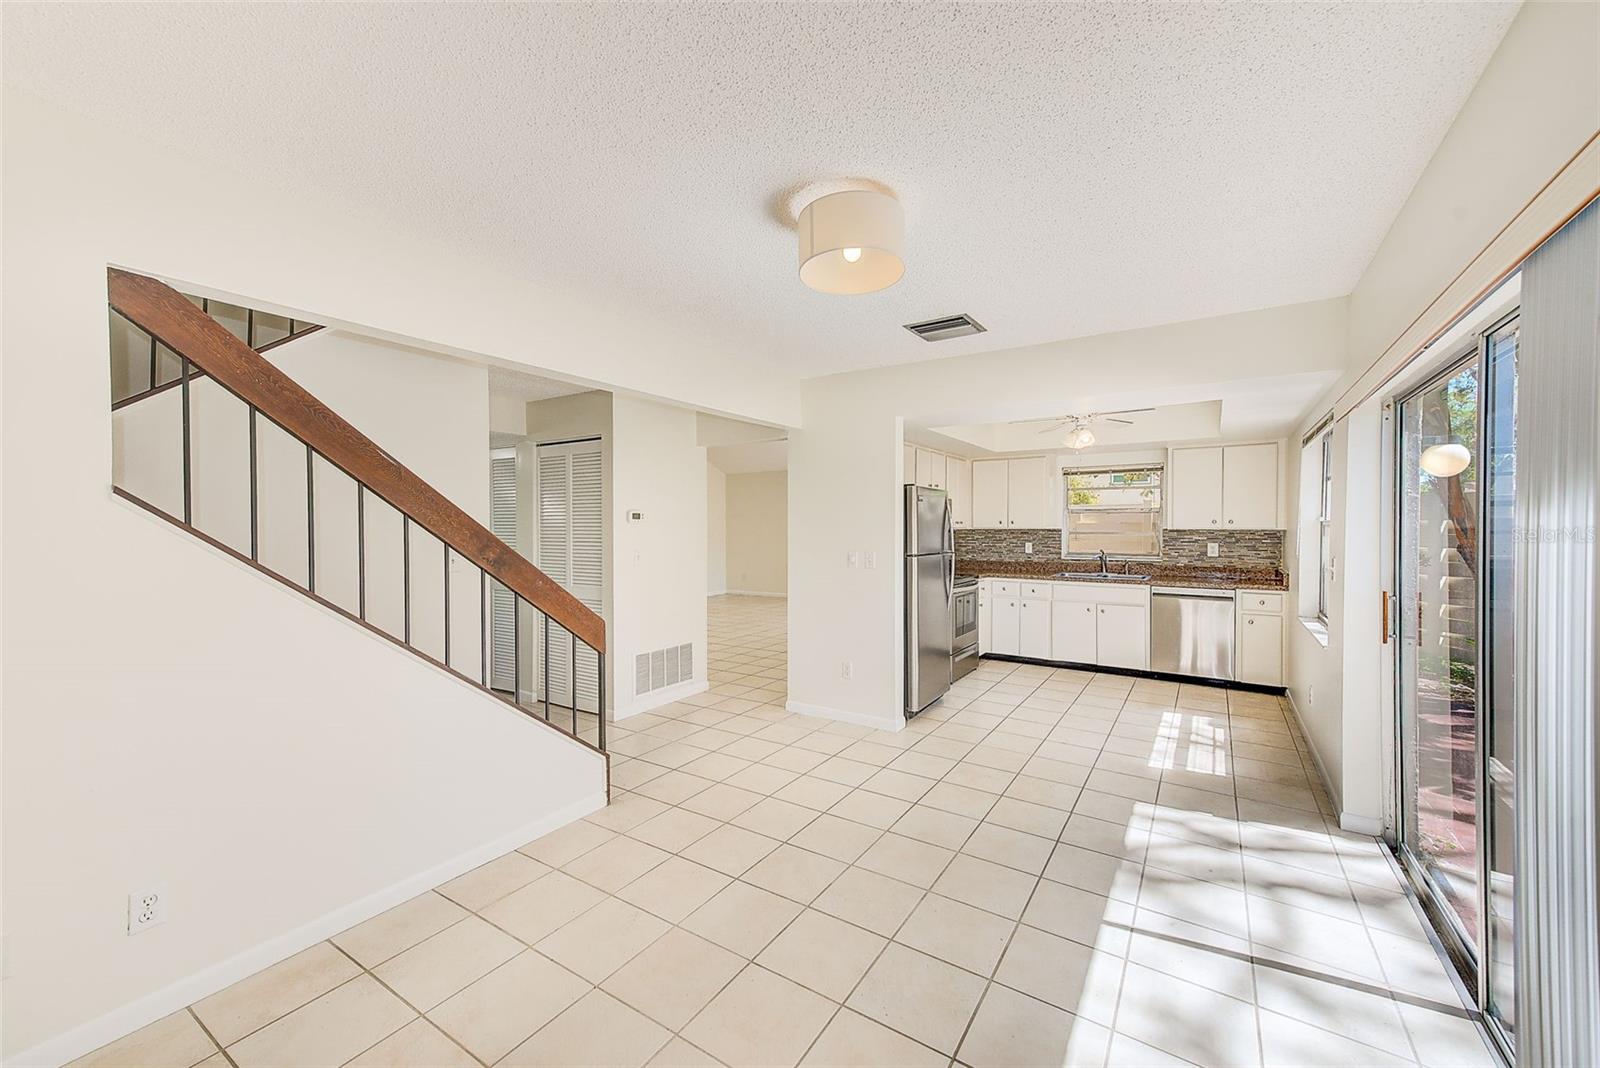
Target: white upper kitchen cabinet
x=1010, y=493
x=909, y=464
x=1250, y=486
x=989, y=495
x=930, y=469
x=1027, y=506
x=1194, y=489
x=958, y=483
x=1222, y=487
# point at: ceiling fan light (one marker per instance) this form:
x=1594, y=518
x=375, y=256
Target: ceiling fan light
x=852, y=242
x=1447, y=460
x=1080, y=438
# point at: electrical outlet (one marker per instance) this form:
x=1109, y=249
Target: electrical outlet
x=146, y=909
x=1027, y=547
x=847, y=670
x=1211, y=548
x=869, y=561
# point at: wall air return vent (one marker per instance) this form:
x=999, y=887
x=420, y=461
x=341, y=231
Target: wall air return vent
x=948, y=327
x=662, y=667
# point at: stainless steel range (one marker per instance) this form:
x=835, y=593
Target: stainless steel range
x=964, y=627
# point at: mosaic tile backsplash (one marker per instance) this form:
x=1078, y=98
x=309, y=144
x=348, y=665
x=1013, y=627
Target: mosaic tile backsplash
x=1239, y=548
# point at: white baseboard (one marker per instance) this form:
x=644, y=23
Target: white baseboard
x=657, y=698
x=824, y=712
x=753, y=593
x=1311, y=744
x=1349, y=821
x=717, y=593
x=128, y=1018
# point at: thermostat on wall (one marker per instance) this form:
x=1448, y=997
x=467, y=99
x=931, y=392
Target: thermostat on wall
x=635, y=517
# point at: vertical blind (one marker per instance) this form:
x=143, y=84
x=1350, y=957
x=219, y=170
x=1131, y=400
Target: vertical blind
x=503, y=525
x=1557, y=575
x=571, y=534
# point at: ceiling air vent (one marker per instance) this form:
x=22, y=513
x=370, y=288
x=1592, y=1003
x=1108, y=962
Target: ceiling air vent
x=948, y=327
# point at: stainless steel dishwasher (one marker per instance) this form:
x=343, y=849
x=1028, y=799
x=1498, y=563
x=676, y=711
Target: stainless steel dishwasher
x=1191, y=632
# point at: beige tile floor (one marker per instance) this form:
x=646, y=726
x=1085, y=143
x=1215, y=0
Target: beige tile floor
x=1048, y=867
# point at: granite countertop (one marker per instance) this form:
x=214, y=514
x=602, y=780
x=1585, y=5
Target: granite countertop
x=1195, y=576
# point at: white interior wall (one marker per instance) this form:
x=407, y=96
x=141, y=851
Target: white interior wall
x=507, y=415
x=716, y=530
x=844, y=463
x=757, y=538
x=1536, y=105
x=175, y=720
x=659, y=581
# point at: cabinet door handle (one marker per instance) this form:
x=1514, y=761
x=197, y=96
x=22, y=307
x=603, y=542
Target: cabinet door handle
x=1251, y=622
x=1230, y=522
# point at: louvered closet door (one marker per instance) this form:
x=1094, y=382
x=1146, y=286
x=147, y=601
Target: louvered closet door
x=502, y=609
x=572, y=552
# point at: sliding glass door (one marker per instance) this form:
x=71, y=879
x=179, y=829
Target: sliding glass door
x=1455, y=563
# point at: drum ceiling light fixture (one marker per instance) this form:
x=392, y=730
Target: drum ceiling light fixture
x=852, y=242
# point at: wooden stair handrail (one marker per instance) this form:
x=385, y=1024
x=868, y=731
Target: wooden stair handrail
x=162, y=311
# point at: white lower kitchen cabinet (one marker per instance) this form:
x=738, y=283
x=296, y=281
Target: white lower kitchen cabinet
x=1122, y=636
x=1034, y=626
x=1072, y=632
x=1258, y=645
x=1005, y=620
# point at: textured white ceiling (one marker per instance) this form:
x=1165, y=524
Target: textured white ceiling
x=1066, y=169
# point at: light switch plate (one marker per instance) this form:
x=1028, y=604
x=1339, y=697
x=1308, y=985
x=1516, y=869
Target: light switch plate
x=850, y=559
x=869, y=561
x=1211, y=548
x=1027, y=547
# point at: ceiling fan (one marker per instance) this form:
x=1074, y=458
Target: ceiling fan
x=1079, y=434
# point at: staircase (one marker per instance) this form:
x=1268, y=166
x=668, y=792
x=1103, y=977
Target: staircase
x=142, y=366
x=216, y=440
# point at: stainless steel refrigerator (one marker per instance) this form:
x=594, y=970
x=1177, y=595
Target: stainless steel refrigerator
x=930, y=595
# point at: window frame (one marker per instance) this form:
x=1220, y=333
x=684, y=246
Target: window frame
x=1324, y=524
x=1160, y=510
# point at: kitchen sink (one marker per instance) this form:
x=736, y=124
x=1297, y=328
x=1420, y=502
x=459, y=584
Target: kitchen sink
x=1095, y=576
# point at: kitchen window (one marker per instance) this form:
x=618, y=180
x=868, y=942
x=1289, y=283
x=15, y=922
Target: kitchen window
x=1112, y=509
x=1325, y=528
